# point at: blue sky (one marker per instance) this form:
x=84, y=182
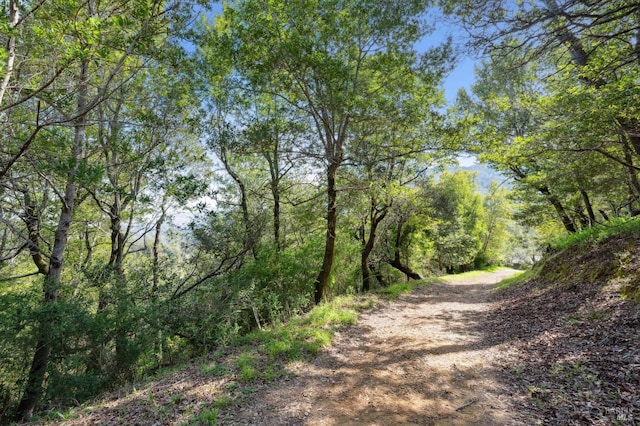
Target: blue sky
x=462, y=74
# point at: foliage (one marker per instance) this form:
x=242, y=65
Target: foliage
x=158, y=202
x=548, y=110
x=395, y=290
x=598, y=233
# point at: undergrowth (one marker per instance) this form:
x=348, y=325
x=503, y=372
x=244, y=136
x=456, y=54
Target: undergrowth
x=598, y=233
x=395, y=290
x=260, y=356
x=605, y=253
x=473, y=274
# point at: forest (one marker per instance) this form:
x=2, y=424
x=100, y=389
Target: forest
x=172, y=177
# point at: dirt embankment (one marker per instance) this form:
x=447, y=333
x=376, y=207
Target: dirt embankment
x=573, y=336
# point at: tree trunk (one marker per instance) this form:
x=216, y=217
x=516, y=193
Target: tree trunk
x=405, y=269
x=396, y=262
x=35, y=381
x=156, y=249
x=274, y=170
x=330, y=240
x=34, y=387
x=378, y=274
x=553, y=200
x=632, y=130
x=32, y=222
x=364, y=256
x=368, y=242
x=249, y=239
x=634, y=184
x=564, y=218
x=589, y=207
x=14, y=20
x=117, y=237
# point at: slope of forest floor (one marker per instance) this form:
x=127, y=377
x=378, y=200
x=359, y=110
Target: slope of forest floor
x=558, y=349
x=572, y=335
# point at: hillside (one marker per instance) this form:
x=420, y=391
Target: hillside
x=558, y=348
x=485, y=175
x=573, y=332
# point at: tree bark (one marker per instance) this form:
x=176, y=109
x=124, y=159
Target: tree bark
x=249, y=239
x=156, y=249
x=397, y=263
x=375, y=217
x=32, y=222
x=364, y=257
x=14, y=19
x=34, y=387
x=322, y=279
x=553, y=200
x=589, y=207
x=632, y=173
x=274, y=170
x=378, y=274
x=562, y=214
x=405, y=269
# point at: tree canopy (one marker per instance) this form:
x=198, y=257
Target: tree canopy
x=171, y=178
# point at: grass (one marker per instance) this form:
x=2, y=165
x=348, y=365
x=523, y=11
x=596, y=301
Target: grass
x=214, y=369
x=472, y=274
x=395, y=290
x=515, y=279
x=248, y=364
x=222, y=401
x=208, y=417
x=261, y=354
x=597, y=233
x=337, y=312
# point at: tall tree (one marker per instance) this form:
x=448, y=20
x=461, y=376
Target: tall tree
x=591, y=53
x=85, y=46
x=334, y=61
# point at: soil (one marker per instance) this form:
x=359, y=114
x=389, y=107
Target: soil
x=421, y=359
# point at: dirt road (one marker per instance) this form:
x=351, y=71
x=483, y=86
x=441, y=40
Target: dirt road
x=421, y=360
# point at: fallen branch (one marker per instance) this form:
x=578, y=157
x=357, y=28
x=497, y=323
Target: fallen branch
x=467, y=404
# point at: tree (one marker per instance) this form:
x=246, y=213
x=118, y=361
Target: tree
x=82, y=53
x=336, y=62
x=458, y=211
x=497, y=217
x=590, y=52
